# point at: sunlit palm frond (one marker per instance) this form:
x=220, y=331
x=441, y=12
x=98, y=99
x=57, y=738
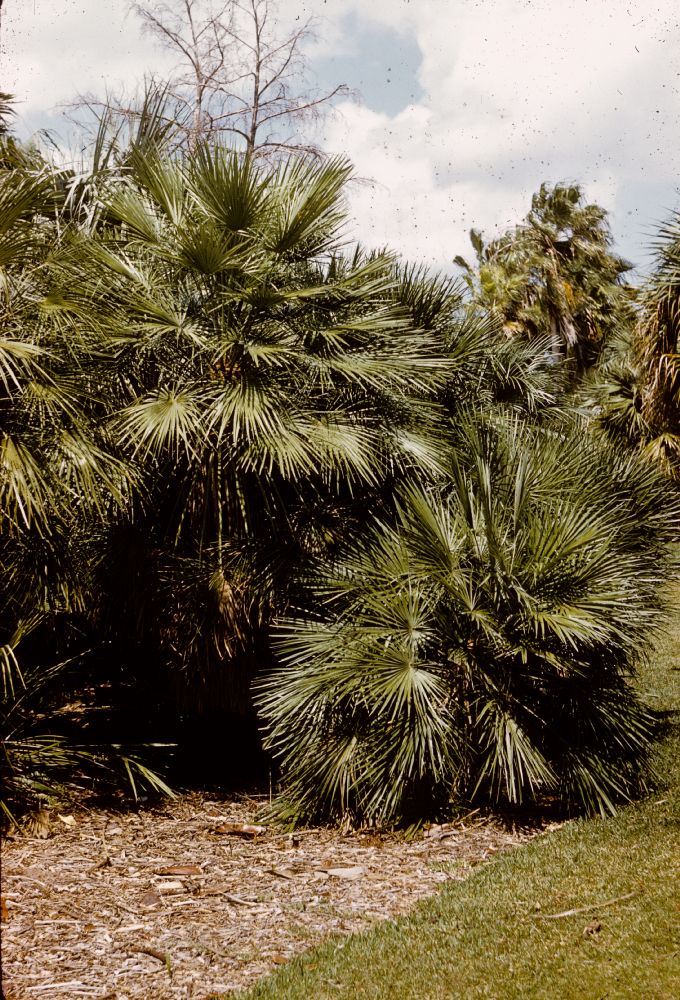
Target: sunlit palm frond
x=165, y=420
x=229, y=190
x=307, y=211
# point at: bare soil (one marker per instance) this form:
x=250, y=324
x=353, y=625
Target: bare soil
x=161, y=905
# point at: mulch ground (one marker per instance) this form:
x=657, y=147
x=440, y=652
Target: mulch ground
x=172, y=903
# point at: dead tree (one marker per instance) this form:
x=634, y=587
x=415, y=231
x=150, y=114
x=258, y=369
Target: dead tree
x=237, y=73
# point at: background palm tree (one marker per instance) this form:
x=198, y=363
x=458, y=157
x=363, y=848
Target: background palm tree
x=555, y=276
x=655, y=350
x=634, y=395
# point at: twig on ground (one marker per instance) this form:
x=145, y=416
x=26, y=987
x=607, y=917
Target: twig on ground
x=584, y=909
x=293, y=834
x=75, y=986
x=161, y=956
x=202, y=946
x=459, y=830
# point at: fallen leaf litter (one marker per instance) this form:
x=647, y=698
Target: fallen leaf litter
x=196, y=899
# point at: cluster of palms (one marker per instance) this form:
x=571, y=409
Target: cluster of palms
x=233, y=450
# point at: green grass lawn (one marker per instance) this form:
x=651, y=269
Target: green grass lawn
x=492, y=937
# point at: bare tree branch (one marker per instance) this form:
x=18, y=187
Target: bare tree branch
x=235, y=72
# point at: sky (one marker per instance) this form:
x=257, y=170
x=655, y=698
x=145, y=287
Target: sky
x=461, y=108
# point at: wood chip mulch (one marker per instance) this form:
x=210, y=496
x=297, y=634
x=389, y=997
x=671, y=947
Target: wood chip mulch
x=174, y=903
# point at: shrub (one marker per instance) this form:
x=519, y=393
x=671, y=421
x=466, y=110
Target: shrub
x=481, y=643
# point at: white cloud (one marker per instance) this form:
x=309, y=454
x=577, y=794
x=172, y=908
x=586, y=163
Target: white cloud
x=514, y=92
x=53, y=50
x=517, y=92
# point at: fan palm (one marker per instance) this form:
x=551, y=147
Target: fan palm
x=655, y=349
x=555, y=276
x=55, y=471
x=480, y=643
x=58, y=478
x=264, y=385
x=270, y=387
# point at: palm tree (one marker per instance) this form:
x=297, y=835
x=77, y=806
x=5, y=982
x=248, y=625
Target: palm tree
x=555, y=276
x=263, y=385
x=55, y=471
x=480, y=643
x=635, y=393
x=655, y=350
x=58, y=479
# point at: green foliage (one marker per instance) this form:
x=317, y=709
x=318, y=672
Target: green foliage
x=37, y=761
x=555, y=276
x=204, y=391
x=479, y=644
x=613, y=396
x=60, y=483
x=656, y=350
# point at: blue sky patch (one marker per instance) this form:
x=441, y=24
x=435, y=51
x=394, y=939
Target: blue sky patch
x=382, y=65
